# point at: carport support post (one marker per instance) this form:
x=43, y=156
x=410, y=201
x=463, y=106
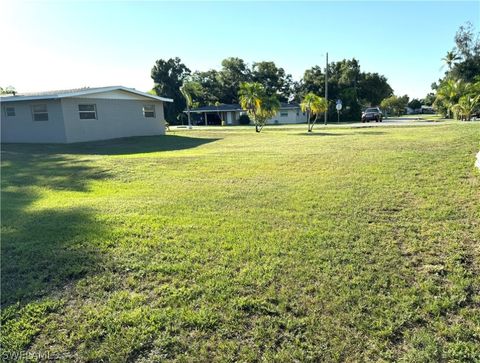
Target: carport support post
x=206, y=119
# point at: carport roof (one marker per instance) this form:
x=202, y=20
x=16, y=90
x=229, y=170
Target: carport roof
x=234, y=107
x=77, y=92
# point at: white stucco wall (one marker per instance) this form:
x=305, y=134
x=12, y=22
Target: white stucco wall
x=294, y=116
x=115, y=118
x=22, y=128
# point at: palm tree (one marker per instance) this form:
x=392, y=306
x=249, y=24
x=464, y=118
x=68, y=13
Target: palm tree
x=466, y=106
x=10, y=90
x=269, y=106
x=449, y=92
x=313, y=105
x=250, y=96
x=188, y=90
x=188, y=101
x=259, y=106
x=450, y=58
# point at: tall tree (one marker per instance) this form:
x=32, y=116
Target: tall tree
x=450, y=59
x=429, y=99
x=168, y=76
x=467, y=42
x=373, y=88
x=468, y=48
x=211, y=86
x=348, y=83
x=274, y=79
x=415, y=104
x=234, y=72
x=313, y=81
x=395, y=104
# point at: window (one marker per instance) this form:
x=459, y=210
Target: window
x=40, y=113
x=87, y=112
x=149, y=111
x=10, y=111
x=283, y=114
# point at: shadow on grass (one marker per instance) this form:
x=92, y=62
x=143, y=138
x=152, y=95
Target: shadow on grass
x=124, y=146
x=321, y=134
x=370, y=132
x=45, y=249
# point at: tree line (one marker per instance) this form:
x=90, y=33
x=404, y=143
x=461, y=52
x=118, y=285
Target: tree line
x=346, y=81
x=457, y=94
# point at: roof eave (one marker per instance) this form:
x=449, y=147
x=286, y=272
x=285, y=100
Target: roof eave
x=83, y=93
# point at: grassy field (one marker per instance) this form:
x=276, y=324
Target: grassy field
x=426, y=117
x=226, y=245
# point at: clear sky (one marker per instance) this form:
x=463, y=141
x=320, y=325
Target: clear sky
x=66, y=44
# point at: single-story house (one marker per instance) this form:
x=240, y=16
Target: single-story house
x=84, y=114
x=289, y=113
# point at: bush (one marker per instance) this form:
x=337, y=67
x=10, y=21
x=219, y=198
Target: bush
x=244, y=120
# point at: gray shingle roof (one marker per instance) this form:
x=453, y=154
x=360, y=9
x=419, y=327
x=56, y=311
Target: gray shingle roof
x=59, y=92
x=76, y=92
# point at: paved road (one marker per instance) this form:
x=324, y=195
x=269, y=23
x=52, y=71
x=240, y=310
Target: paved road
x=391, y=121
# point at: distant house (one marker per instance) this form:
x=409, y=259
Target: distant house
x=289, y=113
x=84, y=114
x=427, y=109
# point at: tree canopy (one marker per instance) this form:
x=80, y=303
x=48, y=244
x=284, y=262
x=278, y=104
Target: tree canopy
x=168, y=76
x=273, y=78
x=395, y=104
x=9, y=90
x=457, y=94
x=346, y=81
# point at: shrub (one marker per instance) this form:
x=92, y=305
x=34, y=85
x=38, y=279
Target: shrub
x=244, y=120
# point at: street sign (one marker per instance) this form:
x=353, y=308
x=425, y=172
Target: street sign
x=338, y=106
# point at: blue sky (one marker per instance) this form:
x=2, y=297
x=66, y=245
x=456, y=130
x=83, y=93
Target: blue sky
x=65, y=44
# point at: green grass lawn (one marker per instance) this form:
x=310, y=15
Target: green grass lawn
x=226, y=245
x=426, y=117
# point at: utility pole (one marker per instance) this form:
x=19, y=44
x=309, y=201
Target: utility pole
x=326, y=88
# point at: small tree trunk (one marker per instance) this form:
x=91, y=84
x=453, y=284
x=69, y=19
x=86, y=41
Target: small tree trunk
x=313, y=123
x=189, y=120
x=308, y=121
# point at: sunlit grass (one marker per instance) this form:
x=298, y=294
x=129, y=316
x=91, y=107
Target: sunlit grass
x=227, y=245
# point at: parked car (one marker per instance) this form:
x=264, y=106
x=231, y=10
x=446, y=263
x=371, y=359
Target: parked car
x=372, y=114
